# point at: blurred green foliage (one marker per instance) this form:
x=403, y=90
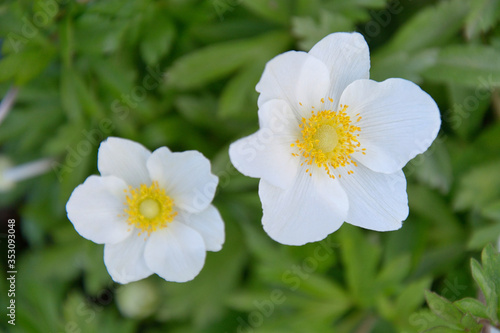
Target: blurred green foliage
x=469, y=314
x=182, y=73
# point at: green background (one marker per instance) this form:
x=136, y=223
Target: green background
x=182, y=74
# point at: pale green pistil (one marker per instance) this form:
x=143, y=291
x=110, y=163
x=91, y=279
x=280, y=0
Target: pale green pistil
x=149, y=208
x=326, y=138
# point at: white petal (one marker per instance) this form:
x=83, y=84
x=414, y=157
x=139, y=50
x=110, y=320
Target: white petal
x=294, y=77
x=124, y=159
x=209, y=225
x=176, y=253
x=377, y=201
x=96, y=209
x=267, y=153
x=125, y=260
x=347, y=57
x=399, y=121
x=310, y=210
x=185, y=176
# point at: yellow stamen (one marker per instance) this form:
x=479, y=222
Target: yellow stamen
x=149, y=208
x=328, y=140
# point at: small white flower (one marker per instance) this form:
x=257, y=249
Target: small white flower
x=151, y=210
x=332, y=143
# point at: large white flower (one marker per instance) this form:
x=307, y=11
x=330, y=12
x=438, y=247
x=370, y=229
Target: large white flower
x=151, y=210
x=332, y=143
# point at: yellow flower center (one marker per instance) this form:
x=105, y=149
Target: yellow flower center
x=149, y=208
x=328, y=140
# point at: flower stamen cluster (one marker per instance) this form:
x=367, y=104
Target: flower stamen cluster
x=149, y=208
x=328, y=140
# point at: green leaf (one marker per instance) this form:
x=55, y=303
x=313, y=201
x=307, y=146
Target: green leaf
x=199, y=298
x=239, y=93
x=475, y=66
x=442, y=329
x=444, y=309
x=393, y=272
x=360, y=259
x=468, y=108
x=24, y=66
x=479, y=188
x=67, y=40
x=472, y=306
x=69, y=94
x=97, y=33
x=404, y=64
x=319, y=310
x=38, y=308
x=487, y=287
x=432, y=206
x=233, y=29
x=82, y=315
x=433, y=167
x=355, y=5
x=420, y=31
x=172, y=130
x=48, y=10
x=117, y=77
x=322, y=288
x=198, y=109
x=366, y=3
x=218, y=60
x=492, y=210
x=470, y=324
x=411, y=297
x=483, y=235
x=482, y=151
x=490, y=259
x=273, y=10
x=20, y=125
x=96, y=277
x=63, y=135
x=57, y=263
x=482, y=17
x=158, y=37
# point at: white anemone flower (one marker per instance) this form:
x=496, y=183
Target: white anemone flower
x=332, y=143
x=152, y=211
